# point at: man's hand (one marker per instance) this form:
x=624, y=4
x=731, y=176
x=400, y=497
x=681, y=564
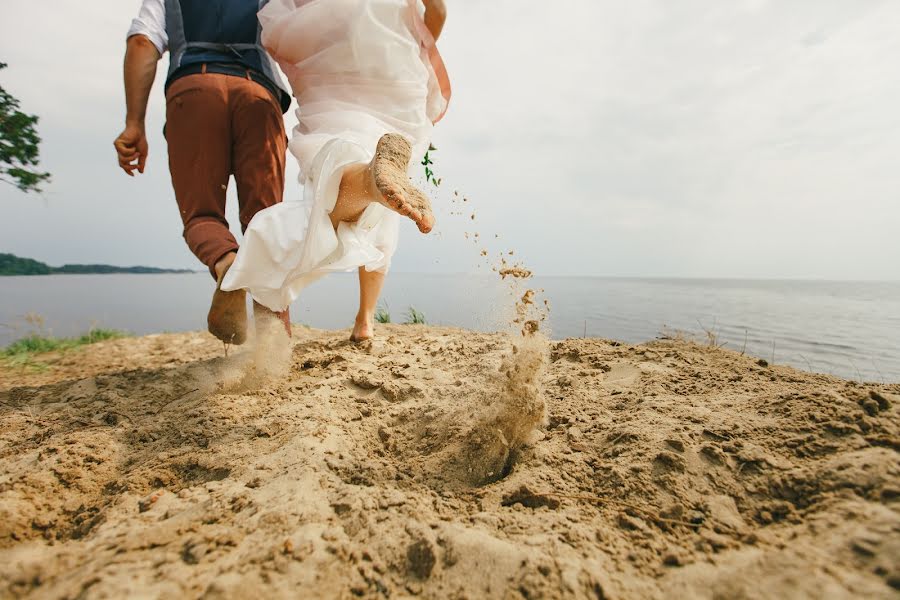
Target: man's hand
x=141, y=57
x=131, y=145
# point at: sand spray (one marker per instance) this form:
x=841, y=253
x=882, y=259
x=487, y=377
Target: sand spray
x=267, y=359
x=515, y=408
x=512, y=409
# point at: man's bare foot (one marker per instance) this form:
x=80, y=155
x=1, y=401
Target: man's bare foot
x=227, y=318
x=392, y=183
x=363, y=329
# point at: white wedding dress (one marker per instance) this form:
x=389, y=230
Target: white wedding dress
x=359, y=69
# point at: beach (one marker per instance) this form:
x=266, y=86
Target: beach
x=443, y=463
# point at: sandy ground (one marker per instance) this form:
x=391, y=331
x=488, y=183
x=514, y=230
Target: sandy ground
x=156, y=467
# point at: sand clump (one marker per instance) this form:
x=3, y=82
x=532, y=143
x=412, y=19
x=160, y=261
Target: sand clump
x=514, y=272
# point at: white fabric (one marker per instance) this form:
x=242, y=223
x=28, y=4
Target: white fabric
x=359, y=69
x=151, y=22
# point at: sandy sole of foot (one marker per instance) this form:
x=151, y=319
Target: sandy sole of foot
x=390, y=177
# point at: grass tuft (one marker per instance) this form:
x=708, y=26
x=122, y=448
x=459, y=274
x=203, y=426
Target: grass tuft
x=414, y=317
x=39, y=344
x=383, y=314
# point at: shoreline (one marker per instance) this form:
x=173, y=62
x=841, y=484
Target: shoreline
x=846, y=330
x=159, y=272
x=700, y=339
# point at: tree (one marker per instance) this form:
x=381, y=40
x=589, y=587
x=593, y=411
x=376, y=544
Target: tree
x=19, y=142
x=13, y=265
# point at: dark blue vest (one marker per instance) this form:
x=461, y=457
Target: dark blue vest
x=219, y=31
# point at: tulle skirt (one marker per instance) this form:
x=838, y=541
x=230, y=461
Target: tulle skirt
x=359, y=69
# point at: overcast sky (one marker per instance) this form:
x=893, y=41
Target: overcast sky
x=689, y=138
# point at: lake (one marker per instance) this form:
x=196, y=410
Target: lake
x=851, y=329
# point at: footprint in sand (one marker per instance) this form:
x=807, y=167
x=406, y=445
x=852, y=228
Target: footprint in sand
x=621, y=375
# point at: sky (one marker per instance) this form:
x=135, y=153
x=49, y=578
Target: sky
x=698, y=138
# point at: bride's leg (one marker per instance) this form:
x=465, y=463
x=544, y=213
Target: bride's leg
x=263, y=319
x=383, y=180
x=370, y=284
x=354, y=195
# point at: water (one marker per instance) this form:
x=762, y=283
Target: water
x=851, y=329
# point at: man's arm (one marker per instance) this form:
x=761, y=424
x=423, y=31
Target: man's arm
x=141, y=57
x=435, y=16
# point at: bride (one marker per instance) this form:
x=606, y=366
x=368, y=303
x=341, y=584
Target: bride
x=370, y=84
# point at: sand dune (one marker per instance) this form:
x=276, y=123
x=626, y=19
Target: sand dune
x=438, y=462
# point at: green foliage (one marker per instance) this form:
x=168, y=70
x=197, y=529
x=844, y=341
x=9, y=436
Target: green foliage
x=19, y=141
x=39, y=344
x=426, y=162
x=11, y=264
x=414, y=317
x=107, y=269
x=33, y=344
x=383, y=314
x=99, y=335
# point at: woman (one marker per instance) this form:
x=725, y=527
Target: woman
x=370, y=84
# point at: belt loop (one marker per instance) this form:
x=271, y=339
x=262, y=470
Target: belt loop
x=203, y=69
x=247, y=71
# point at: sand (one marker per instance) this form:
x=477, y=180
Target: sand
x=438, y=462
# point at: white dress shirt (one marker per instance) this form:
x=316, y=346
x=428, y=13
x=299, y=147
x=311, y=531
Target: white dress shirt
x=151, y=22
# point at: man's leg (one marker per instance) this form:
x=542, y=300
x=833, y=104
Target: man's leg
x=370, y=284
x=259, y=148
x=198, y=131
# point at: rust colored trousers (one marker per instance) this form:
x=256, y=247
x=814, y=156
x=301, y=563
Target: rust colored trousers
x=218, y=126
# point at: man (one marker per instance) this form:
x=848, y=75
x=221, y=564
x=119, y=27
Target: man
x=224, y=106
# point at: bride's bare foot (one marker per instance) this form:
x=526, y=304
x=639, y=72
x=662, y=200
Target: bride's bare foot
x=363, y=329
x=392, y=183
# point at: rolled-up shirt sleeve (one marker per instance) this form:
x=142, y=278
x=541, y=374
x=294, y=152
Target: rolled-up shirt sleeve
x=151, y=22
